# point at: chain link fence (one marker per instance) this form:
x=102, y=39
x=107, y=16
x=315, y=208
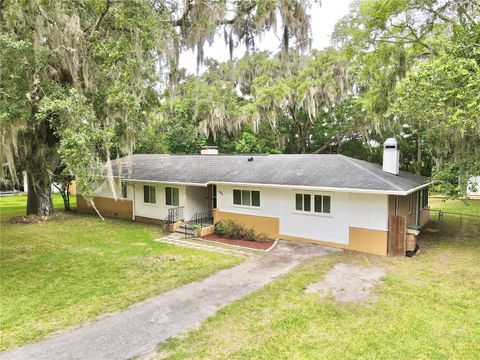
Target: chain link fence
x=446, y=221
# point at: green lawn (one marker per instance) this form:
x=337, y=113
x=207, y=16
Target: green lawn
x=428, y=308
x=61, y=273
x=456, y=206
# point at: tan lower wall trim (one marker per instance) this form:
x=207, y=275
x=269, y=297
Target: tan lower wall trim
x=368, y=241
x=313, y=241
x=361, y=240
x=106, y=207
x=261, y=224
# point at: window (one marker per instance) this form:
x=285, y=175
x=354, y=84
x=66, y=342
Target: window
x=246, y=197
x=424, y=198
x=321, y=203
x=214, y=196
x=171, y=196
x=124, y=190
x=149, y=194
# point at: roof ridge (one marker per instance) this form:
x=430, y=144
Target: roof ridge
x=350, y=160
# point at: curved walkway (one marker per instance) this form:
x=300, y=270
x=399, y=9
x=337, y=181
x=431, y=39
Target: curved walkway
x=139, y=329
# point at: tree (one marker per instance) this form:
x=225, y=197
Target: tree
x=386, y=41
x=290, y=90
x=265, y=141
x=81, y=76
x=444, y=95
x=62, y=180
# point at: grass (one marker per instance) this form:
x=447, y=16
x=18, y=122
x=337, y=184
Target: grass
x=471, y=207
x=428, y=307
x=67, y=271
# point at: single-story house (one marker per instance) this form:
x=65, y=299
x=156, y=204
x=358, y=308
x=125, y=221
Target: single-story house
x=325, y=199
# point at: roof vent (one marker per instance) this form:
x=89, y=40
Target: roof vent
x=391, y=156
x=209, y=150
x=250, y=158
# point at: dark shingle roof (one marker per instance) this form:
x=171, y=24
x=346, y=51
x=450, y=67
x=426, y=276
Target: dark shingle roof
x=322, y=171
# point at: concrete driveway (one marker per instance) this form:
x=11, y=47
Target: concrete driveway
x=140, y=328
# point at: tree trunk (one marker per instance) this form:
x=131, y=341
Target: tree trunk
x=419, y=155
x=41, y=153
x=39, y=198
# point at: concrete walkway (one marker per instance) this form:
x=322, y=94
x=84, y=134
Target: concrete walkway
x=200, y=244
x=140, y=328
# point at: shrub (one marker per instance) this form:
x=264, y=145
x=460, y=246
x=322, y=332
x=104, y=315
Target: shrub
x=220, y=228
x=262, y=237
x=249, y=234
x=232, y=230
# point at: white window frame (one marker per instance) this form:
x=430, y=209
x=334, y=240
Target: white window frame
x=312, y=203
x=251, y=197
x=171, y=195
x=150, y=203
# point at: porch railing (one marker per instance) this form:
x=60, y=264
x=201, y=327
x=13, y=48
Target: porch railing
x=202, y=219
x=175, y=214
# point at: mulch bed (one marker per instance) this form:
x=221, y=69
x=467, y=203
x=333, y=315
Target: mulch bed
x=244, y=243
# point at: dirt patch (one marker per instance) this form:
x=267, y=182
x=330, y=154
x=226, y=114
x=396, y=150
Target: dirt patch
x=349, y=283
x=264, y=245
x=36, y=219
x=28, y=219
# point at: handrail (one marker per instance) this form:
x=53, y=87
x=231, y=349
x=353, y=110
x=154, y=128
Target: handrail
x=200, y=218
x=175, y=214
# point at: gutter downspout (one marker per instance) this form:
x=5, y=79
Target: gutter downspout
x=133, y=203
x=417, y=207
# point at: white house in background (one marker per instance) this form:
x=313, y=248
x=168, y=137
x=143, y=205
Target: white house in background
x=53, y=188
x=473, y=187
x=326, y=199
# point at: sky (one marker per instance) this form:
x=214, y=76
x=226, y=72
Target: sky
x=323, y=20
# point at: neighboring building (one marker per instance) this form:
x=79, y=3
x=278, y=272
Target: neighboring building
x=473, y=187
x=53, y=188
x=326, y=199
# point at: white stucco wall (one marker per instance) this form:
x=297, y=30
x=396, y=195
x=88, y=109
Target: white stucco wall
x=159, y=210
x=196, y=200
x=193, y=198
x=104, y=189
x=368, y=211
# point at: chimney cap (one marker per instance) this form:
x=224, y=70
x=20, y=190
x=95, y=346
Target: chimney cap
x=390, y=143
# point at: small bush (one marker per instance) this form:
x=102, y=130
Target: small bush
x=232, y=230
x=229, y=229
x=220, y=228
x=249, y=234
x=262, y=237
